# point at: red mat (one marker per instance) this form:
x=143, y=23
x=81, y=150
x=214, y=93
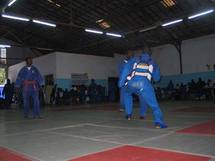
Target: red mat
x=196, y=109
x=132, y=153
x=8, y=155
x=207, y=128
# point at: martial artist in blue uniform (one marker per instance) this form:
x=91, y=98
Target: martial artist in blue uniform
x=30, y=80
x=136, y=78
x=124, y=94
x=122, y=89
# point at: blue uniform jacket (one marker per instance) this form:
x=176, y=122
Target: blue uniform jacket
x=29, y=75
x=128, y=68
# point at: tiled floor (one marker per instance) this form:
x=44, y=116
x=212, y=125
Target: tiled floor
x=63, y=135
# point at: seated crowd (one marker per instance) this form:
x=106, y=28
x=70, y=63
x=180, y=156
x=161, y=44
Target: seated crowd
x=82, y=94
x=78, y=94
x=191, y=91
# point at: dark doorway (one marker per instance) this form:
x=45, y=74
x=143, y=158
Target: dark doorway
x=49, y=79
x=113, y=90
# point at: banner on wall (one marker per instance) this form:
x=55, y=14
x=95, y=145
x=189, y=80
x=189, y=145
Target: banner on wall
x=79, y=78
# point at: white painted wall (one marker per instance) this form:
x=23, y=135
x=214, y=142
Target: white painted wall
x=97, y=67
x=46, y=65
x=62, y=65
x=196, y=53
x=167, y=58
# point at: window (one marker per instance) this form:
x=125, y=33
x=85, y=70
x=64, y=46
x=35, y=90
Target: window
x=79, y=78
x=49, y=79
x=3, y=56
x=2, y=76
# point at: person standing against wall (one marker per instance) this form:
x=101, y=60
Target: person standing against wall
x=53, y=95
x=8, y=92
x=92, y=91
x=29, y=80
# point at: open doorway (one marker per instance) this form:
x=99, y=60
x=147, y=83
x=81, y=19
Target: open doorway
x=49, y=84
x=49, y=79
x=113, y=90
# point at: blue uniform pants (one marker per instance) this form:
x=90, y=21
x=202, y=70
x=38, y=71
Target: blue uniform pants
x=124, y=95
x=34, y=94
x=143, y=88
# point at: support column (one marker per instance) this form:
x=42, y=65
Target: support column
x=178, y=46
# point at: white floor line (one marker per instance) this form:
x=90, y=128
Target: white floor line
x=112, y=135
x=100, y=151
x=178, y=151
x=100, y=122
x=22, y=154
x=153, y=138
x=151, y=120
x=63, y=127
x=44, y=130
x=194, y=134
x=113, y=142
x=86, y=138
x=144, y=128
x=136, y=144
x=193, y=124
x=21, y=121
x=127, y=128
x=132, y=144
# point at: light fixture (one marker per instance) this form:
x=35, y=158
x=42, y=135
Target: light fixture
x=11, y=3
x=103, y=24
x=50, y=1
x=58, y=5
x=44, y=23
x=5, y=46
x=201, y=14
x=100, y=21
x=172, y=22
x=114, y=35
x=148, y=28
x=94, y=31
x=15, y=17
x=168, y=3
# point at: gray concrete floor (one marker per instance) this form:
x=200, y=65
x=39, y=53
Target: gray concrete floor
x=63, y=135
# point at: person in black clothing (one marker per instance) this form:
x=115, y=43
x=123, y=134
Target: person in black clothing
x=170, y=90
x=92, y=91
x=8, y=92
x=200, y=85
x=66, y=97
x=170, y=86
x=192, y=88
x=53, y=95
x=42, y=96
x=82, y=94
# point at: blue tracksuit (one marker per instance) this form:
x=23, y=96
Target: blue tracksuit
x=30, y=80
x=124, y=94
x=141, y=70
